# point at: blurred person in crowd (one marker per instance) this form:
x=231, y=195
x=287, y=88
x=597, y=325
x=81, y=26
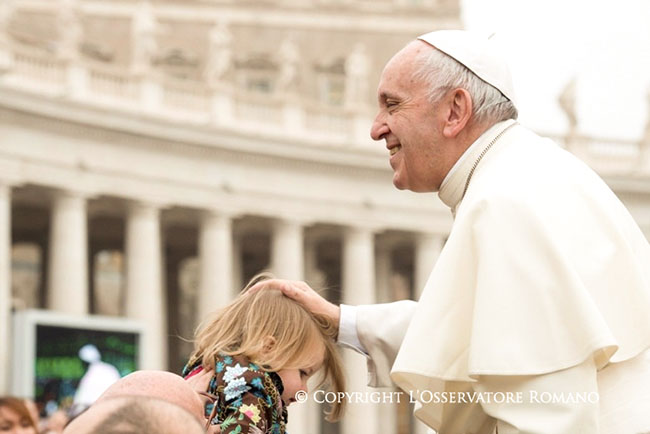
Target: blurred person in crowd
x=135, y=415
x=56, y=422
x=98, y=377
x=15, y=417
x=161, y=385
x=32, y=408
x=156, y=386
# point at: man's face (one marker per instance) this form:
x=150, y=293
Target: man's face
x=409, y=124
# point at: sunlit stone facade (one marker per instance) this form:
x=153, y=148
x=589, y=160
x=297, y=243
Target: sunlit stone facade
x=156, y=155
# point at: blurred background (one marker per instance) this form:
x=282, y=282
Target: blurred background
x=155, y=155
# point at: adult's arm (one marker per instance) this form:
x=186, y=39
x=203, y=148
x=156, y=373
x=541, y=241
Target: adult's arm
x=380, y=327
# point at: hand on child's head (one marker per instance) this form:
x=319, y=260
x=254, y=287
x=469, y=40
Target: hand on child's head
x=279, y=284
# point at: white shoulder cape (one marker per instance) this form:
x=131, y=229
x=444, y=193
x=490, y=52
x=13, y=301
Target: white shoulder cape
x=543, y=269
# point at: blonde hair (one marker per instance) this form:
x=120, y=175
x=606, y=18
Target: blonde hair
x=274, y=332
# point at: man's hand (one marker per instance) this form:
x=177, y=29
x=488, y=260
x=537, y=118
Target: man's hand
x=200, y=383
x=305, y=295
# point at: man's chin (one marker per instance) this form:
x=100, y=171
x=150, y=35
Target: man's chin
x=404, y=186
x=399, y=185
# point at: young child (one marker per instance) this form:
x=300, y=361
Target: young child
x=261, y=349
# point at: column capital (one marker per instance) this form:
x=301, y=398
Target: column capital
x=292, y=220
x=5, y=190
x=431, y=234
x=231, y=214
x=430, y=239
x=143, y=206
x=10, y=183
x=363, y=228
x=72, y=193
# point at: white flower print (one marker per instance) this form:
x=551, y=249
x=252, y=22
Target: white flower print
x=235, y=388
x=233, y=372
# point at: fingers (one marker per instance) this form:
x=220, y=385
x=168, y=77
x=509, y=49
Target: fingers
x=214, y=429
x=290, y=288
x=281, y=284
x=199, y=382
x=302, y=293
x=293, y=289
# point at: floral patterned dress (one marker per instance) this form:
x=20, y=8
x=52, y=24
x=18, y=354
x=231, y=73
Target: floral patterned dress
x=248, y=399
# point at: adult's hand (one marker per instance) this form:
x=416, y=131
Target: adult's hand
x=214, y=429
x=200, y=383
x=305, y=295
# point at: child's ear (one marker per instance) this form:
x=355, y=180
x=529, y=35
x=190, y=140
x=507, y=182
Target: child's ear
x=268, y=343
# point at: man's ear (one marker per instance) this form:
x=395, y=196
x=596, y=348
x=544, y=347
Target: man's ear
x=268, y=344
x=460, y=109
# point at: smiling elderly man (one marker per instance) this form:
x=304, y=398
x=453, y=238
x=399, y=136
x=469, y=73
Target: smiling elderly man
x=543, y=287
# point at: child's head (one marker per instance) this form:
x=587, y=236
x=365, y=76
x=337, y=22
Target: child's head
x=276, y=333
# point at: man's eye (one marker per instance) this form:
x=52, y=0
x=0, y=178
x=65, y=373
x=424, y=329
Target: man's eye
x=391, y=105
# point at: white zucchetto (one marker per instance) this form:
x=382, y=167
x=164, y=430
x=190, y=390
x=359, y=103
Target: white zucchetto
x=479, y=54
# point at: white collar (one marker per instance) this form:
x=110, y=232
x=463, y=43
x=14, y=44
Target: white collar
x=452, y=188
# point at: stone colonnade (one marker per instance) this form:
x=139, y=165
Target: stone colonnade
x=291, y=253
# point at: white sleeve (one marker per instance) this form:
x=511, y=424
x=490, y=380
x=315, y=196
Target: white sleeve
x=381, y=329
x=563, y=401
x=348, y=336
x=376, y=331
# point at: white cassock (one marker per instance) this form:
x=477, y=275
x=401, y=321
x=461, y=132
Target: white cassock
x=99, y=377
x=542, y=288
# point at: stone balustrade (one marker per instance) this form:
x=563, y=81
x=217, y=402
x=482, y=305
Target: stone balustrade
x=237, y=108
x=96, y=84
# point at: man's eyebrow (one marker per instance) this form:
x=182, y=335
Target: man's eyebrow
x=383, y=96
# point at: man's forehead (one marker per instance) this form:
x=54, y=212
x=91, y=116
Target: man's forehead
x=398, y=78
x=404, y=60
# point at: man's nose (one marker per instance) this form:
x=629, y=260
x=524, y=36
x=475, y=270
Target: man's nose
x=379, y=128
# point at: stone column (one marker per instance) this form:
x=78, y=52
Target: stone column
x=427, y=250
x=383, y=273
x=358, y=288
x=68, y=254
x=5, y=287
x=313, y=275
x=237, y=268
x=145, y=300
x=386, y=411
x=287, y=262
x=216, y=263
x=287, y=252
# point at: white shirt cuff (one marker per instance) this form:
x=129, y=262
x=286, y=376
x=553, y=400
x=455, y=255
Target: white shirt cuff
x=348, y=336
